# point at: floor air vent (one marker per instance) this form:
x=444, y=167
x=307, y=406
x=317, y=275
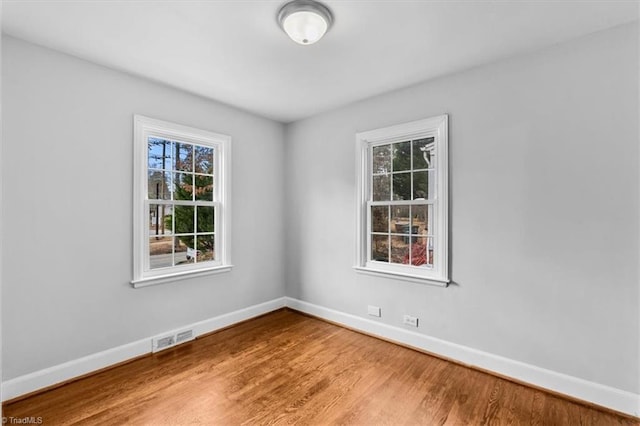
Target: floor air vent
x=164, y=342
x=160, y=343
x=184, y=336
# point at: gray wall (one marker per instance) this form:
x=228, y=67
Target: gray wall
x=544, y=210
x=67, y=210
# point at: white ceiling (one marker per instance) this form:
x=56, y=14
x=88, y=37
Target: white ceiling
x=234, y=52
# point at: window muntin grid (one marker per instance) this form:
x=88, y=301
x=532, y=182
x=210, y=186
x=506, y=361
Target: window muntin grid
x=180, y=203
x=400, y=207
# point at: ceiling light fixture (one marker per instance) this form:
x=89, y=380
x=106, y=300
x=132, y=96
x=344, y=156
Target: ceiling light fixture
x=305, y=21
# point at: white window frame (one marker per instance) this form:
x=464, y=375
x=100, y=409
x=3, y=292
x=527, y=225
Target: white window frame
x=144, y=127
x=436, y=127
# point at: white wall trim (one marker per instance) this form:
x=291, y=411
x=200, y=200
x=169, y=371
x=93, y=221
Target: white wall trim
x=31, y=382
x=605, y=396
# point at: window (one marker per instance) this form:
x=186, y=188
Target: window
x=403, y=201
x=181, y=201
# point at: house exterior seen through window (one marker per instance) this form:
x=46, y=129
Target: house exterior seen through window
x=403, y=201
x=181, y=206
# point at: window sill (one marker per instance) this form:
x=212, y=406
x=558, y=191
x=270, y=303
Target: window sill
x=405, y=277
x=162, y=279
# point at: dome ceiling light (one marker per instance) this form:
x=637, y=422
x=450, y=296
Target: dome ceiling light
x=305, y=21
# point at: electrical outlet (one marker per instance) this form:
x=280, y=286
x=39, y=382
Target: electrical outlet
x=409, y=320
x=374, y=311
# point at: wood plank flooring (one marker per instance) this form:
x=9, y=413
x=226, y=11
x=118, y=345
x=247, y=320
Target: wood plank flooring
x=288, y=368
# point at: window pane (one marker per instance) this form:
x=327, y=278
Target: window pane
x=399, y=249
x=381, y=159
x=184, y=220
x=184, y=250
x=158, y=185
x=206, y=248
x=422, y=252
x=183, y=186
x=204, y=159
x=402, y=224
x=402, y=186
x=421, y=185
x=159, y=153
x=160, y=252
x=204, y=187
x=400, y=219
x=380, y=219
x=206, y=215
x=183, y=156
x=160, y=222
x=423, y=153
x=421, y=219
x=382, y=188
x=380, y=248
x=401, y=156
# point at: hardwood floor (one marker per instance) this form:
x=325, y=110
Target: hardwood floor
x=288, y=368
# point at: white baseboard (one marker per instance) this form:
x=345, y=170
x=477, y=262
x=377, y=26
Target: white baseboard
x=28, y=383
x=605, y=396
